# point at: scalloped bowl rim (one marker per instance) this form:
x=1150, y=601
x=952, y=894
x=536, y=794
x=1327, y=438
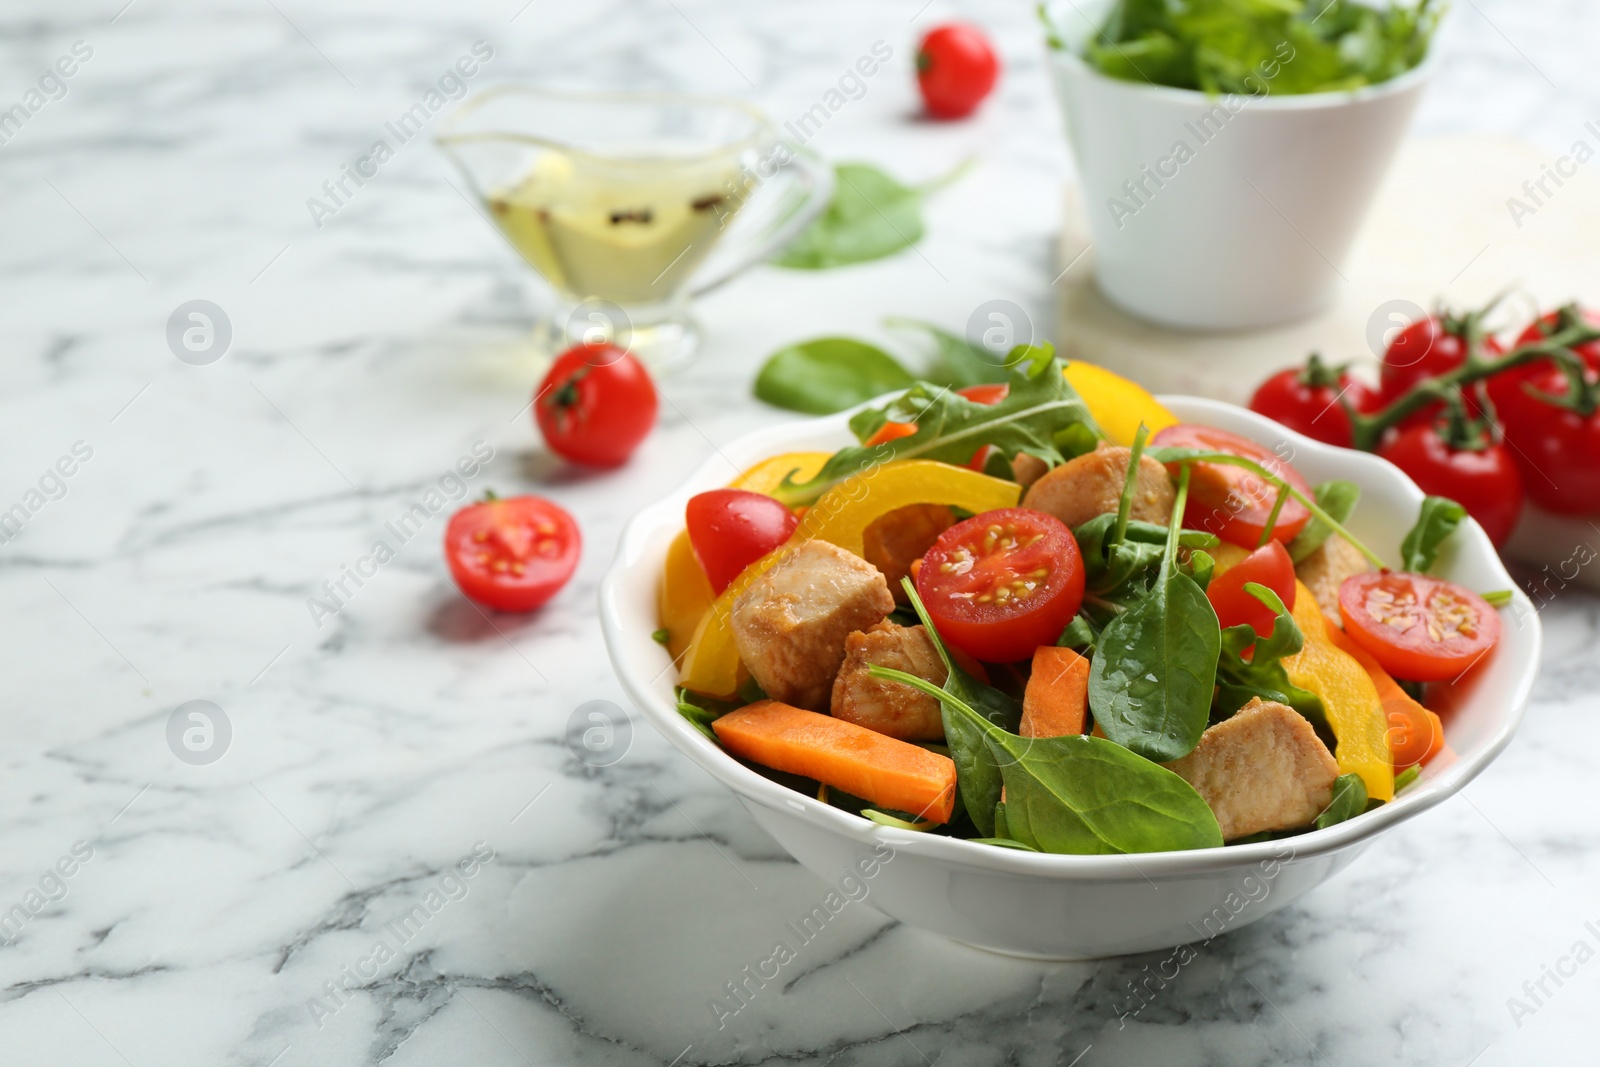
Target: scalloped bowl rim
x=660, y=521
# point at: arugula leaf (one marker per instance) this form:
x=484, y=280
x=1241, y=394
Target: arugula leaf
x=956, y=363
x=702, y=711
x=1349, y=800
x=1338, y=499
x=1081, y=794
x=870, y=216
x=977, y=776
x=1080, y=636
x=828, y=374
x=1151, y=679
x=1040, y=406
x=1239, y=680
x=1406, y=777
x=1436, y=521
x=1003, y=842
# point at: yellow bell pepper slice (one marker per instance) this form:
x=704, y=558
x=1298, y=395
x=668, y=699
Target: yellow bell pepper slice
x=1348, y=696
x=685, y=594
x=766, y=476
x=1117, y=404
x=840, y=517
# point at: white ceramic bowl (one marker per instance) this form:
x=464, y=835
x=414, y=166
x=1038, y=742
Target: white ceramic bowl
x=1077, y=907
x=1247, y=224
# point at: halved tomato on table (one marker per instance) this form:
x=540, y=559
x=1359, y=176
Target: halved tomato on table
x=1229, y=501
x=512, y=554
x=1000, y=584
x=1418, y=628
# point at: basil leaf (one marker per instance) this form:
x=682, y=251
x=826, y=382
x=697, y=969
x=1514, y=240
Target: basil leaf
x=1349, y=800
x=951, y=428
x=1338, y=499
x=1436, y=521
x=1089, y=796
x=870, y=216
x=828, y=374
x=956, y=363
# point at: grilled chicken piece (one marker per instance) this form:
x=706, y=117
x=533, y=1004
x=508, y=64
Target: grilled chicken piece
x=893, y=708
x=1263, y=769
x=1091, y=485
x=895, y=541
x=1028, y=469
x=790, y=626
x=1326, y=569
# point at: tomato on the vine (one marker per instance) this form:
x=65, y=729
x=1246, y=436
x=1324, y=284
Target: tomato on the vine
x=956, y=68
x=512, y=554
x=1270, y=566
x=729, y=529
x=595, y=405
x=1000, y=584
x=1483, y=480
x=1229, y=501
x=1308, y=400
x=1418, y=628
x=1427, y=348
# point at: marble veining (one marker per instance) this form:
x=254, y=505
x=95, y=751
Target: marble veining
x=306, y=898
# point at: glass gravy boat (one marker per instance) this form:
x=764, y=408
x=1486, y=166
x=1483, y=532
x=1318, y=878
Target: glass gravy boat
x=629, y=204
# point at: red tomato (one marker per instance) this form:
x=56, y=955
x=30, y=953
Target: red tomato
x=956, y=68
x=1291, y=398
x=596, y=405
x=1231, y=502
x=987, y=393
x=1417, y=628
x=512, y=554
x=1485, y=482
x=1426, y=349
x=890, y=431
x=729, y=529
x=1270, y=566
x=1000, y=584
x=1556, y=449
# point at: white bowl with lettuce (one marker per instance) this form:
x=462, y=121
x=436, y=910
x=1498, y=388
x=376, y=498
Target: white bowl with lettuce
x=1227, y=160
x=1056, y=906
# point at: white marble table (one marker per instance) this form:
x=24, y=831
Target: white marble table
x=253, y=910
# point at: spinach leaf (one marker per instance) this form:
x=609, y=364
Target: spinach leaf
x=1086, y=795
x=1338, y=499
x=977, y=775
x=1080, y=635
x=1436, y=521
x=1082, y=794
x=1132, y=563
x=870, y=216
x=828, y=374
x=951, y=428
x=1349, y=800
x=956, y=363
x=1151, y=679
x=1239, y=680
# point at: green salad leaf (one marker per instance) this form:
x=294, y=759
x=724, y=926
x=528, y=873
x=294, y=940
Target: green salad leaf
x=1436, y=521
x=870, y=216
x=1256, y=47
x=957, y=362
x=1037, y=417
x=1239, y=680
x=1338, y=499
x=828, y=374
x=1349, y=800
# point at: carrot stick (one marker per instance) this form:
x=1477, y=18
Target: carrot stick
x=1056, y=699
x=888, y=772
x=1415, y=733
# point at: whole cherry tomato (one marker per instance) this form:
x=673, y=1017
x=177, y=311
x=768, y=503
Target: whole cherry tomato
x=1484, y=480
x=956, y=68
x=1229, y=501
x=1270, y=566
x=1307, y=400
x=1418, y=628
x=1556, y=449
x=1425, y=349
x=729, y=529
x=596, y=405
x=1000, y=584
x=512, y=554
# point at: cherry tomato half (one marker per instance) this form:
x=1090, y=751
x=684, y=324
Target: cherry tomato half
x=512, y=554
x=1556, y=449
x=1418, y=628
x=1270, y=566
x=1231, y=502
x=1000, y=584
x=729, y=529
x=1294, y=400
x=956, y=68
x=596, y=405
x=1484, y=481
